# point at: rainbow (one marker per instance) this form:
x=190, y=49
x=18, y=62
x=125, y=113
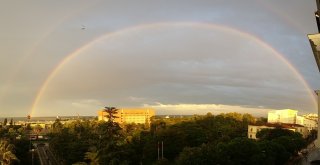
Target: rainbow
x=284, y=16
x=14, y=72
x=200, y=25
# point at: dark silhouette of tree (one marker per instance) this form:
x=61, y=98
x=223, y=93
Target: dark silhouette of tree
x=111, y=113
x=5, y=121
x=269, y=134
x=11, y=122
x=92, y=156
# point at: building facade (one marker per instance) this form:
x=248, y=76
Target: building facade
x=130, y=115
x=311, y=124
x=288, y=116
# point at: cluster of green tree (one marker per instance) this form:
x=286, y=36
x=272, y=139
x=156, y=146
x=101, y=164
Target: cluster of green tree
x=209, y=139
x=88, y=141
x=275, y=146
x=14, y=144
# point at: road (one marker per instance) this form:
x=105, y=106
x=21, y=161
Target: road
x=46, y=156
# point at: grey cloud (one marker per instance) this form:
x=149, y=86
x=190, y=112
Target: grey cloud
x=172, y=65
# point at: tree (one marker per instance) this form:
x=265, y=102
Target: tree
x=248, y=118
x=57, y=126
x=111, y=113
x=291, y=141
x=190, y=156
x=7, y=155
x=92, y=156
x=11, y=122
x=273, y=153
x=243, y=151
x=5, y=121
x=269, y=134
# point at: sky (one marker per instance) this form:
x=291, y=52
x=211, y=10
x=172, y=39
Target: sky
x=179, y=57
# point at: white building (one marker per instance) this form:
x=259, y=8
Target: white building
x=286, y=119
x=288, y=116
x=311, y=116
x=307, y=122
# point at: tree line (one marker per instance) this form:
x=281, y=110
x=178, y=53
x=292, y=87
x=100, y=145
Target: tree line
x=208, y=139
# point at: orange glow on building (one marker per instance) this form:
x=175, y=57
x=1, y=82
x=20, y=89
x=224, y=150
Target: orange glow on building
x=130, y=115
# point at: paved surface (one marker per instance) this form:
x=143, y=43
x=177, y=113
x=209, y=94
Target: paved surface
x=46, y=156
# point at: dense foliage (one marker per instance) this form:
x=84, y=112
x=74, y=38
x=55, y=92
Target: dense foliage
x=14, y=144
x=209, y=139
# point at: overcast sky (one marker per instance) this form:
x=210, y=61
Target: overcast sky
x=179, y=57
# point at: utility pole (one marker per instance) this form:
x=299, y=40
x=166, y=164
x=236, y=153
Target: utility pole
x=162, y=149
x=158, y=151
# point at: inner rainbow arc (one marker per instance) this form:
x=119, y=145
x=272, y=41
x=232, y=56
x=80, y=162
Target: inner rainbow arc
x=210, y=26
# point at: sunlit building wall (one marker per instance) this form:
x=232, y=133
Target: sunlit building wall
x=282, y=116
x=130, y=115
x=309, y=123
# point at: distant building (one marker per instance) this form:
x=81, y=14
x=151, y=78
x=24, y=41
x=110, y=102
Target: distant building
x=288, y=116
x=254, y=129
x=311, y=124
x=311, y=116
x=130, y=115
x=286, y=119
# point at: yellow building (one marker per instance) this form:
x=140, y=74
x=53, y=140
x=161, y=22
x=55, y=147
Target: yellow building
x=283, y=116
x=130, y=115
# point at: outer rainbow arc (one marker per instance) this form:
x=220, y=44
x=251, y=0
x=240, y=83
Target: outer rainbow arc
x=285, y=17
x=160, y=25
x=33, y=49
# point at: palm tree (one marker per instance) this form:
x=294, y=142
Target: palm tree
x=7, y=155
x=111, y=113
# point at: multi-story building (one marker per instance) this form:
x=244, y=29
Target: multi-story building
x=130, y=115
x=311, y=124
x=311, y=116
x=286, y=119
x=288, y=116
